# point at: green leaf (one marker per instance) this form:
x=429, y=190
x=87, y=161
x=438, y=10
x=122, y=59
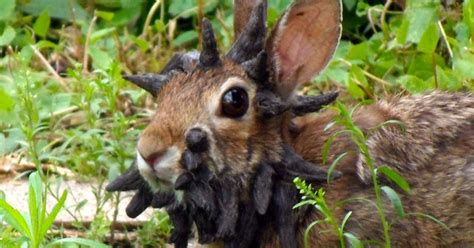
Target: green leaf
x=429, y=39
x=334, y=164
x=35, y=205
x=6, y=101
x=108, y=16
x=180, y=7
x=45, y=44
x=7, y=37
x=353, y=240
x=420, y=14
x=396, y=202
x=358, y=52
x=350, y=4
x=359, y=75
x=101, y=60
x=346, y=218
x=6, y=11
x=354, y=89
x=398, y=123
x=14, y=218
x=36, y=184
x=185, y=37
x=59, y=9
x=468, y=14
x=448, y=80
x=188, y=8
x=42, y=23
x=99, y=34
x=80, y=241
x=308, y=229
x=464, y=67
x=402, y=32
x=440, y=223
x=52, y=216
x=160, y=26
x=141, y=43
x=34, y=217
x=395, y=177
x=413, y=84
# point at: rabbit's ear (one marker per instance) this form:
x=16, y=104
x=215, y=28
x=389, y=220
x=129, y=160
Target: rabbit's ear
x=242, y=12
x=303, y=41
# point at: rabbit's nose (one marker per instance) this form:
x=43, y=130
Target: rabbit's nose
x=196, y=140
x=162, y=165
x=150, y=159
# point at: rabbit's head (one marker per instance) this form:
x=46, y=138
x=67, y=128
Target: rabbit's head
x=235, y=110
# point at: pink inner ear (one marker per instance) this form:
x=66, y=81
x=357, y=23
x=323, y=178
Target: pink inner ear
x=306, y=41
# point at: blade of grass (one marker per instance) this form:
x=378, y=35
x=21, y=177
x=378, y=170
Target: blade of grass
x=52, y=216
x=395, y=177
x=14, y=218
x=395, y=199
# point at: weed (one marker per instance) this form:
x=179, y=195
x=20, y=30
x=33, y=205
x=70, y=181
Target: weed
x=34, y=226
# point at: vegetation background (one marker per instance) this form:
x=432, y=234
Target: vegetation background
x=64, y=103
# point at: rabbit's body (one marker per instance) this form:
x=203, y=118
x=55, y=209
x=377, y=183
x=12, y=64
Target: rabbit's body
x=435, y=154
x=229, y=136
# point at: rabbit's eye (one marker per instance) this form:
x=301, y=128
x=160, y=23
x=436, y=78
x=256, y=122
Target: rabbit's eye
x=235, y=102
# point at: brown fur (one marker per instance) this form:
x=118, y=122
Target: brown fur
x=236, y=145
x=435, y=155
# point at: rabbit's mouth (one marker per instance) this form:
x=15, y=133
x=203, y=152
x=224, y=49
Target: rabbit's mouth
x=160, y=170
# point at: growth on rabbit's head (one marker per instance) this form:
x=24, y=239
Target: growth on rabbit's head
x=235, y=109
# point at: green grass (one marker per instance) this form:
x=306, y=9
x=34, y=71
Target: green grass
x=56, y=110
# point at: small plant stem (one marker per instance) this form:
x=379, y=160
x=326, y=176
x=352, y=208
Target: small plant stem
x=380, y=210
x=445, y=39
x=85, y=60
x=378, y=194
x=49, y=68
x=371, y=20
x=115, y=215
x=435, y=71
x=368, y=74
x=150, y=15
x=383, y=23
x=30, y=126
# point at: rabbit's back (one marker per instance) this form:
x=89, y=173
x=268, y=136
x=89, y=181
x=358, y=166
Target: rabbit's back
x=430, y=143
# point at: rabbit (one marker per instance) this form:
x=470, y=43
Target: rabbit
x=230, y=134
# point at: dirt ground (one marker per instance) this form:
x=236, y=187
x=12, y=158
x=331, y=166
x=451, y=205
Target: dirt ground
x=16, y=193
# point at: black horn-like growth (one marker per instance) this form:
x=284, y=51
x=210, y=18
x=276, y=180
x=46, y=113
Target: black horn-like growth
x=310, y=104
x=210, y=55
x=256, y=68
x=149, y=82
x=252, y=39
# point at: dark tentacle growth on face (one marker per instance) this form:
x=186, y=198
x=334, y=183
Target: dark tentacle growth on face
x=263, y=187
x=227, y=191
x=293, y=165
x=309, y=104
x=210, y=55
x=251, y=40
x=182, y=222
x=130, y=180
x=256, y=68
x=152, y=83
x=181, y=62
x=149, y=82
x=285, y=196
